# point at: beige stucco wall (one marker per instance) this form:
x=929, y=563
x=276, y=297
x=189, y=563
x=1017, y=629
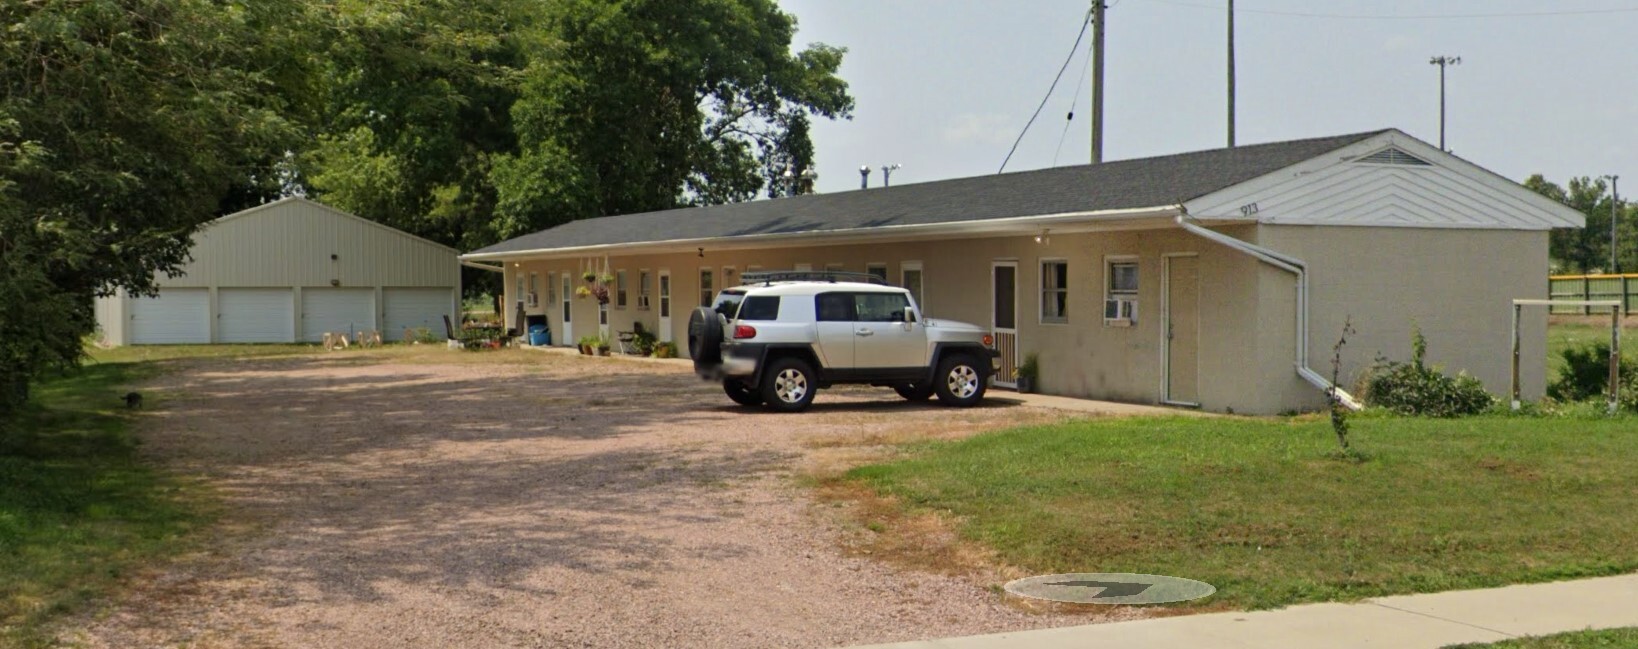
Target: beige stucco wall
x=1456, y=285
x=1083, y=358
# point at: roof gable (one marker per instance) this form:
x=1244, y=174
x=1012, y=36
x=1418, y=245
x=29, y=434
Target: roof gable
x=1111, y=186
x=1388, y=180
x=272, y=208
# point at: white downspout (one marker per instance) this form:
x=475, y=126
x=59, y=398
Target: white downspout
x=1291, y=265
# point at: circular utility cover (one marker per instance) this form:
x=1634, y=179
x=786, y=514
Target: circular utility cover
x=1110, y=588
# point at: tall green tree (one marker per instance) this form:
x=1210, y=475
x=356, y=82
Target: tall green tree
x=124, y=125
x=635, y=105
x=417, y=99
x=1587, y=249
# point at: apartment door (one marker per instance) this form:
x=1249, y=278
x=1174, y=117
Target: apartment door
x=567, y=296
x=1004, y=319
x=1182, y=343
x=665, y=305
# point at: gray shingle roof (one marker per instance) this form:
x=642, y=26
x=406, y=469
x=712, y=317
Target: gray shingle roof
x=1125, y=184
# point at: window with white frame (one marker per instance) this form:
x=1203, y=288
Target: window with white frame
x=620, y=289
x=1054, y=291
x=878, y=269
x=533, y=296
x=910, y=280
x=517, y=294
x=1120, y=298
x=707, y=292
x=642, y=289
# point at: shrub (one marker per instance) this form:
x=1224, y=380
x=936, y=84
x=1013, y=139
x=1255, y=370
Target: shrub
x=1415, y=389
x=1586, y=373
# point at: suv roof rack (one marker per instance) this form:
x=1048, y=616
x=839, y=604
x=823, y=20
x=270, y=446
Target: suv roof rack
x=766, y=277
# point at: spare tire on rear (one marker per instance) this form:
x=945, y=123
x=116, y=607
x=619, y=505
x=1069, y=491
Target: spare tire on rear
x=705, y=338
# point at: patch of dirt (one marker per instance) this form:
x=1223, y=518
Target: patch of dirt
x=564, y=501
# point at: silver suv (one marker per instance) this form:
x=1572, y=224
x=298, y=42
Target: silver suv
x=782, y=336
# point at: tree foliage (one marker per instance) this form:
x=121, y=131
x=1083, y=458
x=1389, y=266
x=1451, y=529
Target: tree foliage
x=123, y=127
x=1587, y=250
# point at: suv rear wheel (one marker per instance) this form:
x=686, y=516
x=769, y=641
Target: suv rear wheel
x=788, y=385
x=915, y=391
x=960, y=381
x=740, y=393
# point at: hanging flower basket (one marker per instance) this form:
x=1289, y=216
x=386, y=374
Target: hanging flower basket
x=589, y=276
x=583, y=292
x=601, y=293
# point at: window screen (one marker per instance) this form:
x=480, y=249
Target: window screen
x=1054, y=291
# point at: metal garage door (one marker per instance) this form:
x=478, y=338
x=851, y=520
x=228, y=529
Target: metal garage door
x=177, y=316
x=411, y=308
x=255, y=315
x=343, y=310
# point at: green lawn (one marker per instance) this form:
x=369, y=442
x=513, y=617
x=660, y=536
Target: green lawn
x=79, y=509
x=1607, y=639
x=1261, y=509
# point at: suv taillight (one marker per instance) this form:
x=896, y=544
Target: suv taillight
x=744, y=331
x=989, y=341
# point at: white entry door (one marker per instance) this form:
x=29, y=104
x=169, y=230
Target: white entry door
x=255, y=315
x=178, y=316
x=415, y=308
x=1004, y=319
x=342, y=310
x=665, y=305
x=567, y=295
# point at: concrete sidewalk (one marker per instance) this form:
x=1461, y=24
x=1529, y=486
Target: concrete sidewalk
x=1408, y=621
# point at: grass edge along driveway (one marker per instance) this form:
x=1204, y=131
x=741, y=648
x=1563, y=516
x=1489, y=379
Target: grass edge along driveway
x=1261, y=509
x=1603, y=639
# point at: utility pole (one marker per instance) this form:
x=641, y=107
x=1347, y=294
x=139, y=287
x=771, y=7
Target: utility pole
x=1231, y=74
x=1443, y=62
x=1097, y=81
x=1615, y=200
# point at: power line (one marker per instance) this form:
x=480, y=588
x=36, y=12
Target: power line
x=1073, y=104
x=1072, y=51
x=1306, y=14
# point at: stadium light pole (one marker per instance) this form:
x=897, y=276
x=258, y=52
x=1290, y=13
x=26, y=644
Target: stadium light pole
x=1443, y=62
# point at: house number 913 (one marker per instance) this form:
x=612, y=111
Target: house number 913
x=1248, y=209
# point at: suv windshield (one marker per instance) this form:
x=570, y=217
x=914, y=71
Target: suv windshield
x=727, y=303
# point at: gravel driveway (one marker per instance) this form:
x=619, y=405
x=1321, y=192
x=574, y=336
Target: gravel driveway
x=389, y=500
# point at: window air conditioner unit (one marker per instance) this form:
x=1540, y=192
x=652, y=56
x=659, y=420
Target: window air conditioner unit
x=642, y=301
x=532, y=300
x=1120, y=311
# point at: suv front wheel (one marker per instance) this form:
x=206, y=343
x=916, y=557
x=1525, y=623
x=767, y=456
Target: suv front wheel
x=960, y=381
x=788, y=385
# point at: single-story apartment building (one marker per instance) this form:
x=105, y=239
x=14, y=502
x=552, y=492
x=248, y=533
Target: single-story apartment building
x=288, y=271
x=1219, y=279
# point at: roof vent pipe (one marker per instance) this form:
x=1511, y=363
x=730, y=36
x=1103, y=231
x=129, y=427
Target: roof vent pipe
x=1291, y=265
x=864, y=177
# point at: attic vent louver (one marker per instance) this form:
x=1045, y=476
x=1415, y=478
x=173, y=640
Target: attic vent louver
x=1392, y=156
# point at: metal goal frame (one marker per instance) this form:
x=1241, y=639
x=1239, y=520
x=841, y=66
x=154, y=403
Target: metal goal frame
x=1615, y=342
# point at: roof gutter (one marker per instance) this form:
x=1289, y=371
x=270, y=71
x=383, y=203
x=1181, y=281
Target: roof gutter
x=1017, y=224
x=1291, y=265
x=488, y=267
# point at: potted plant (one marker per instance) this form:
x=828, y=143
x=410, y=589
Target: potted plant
x=665, y=350
x=600, y=292
x=583, y=292
x=602, y=346
x=643, y=340
x=589, y=276
x=588, y=343
x=1028, y=372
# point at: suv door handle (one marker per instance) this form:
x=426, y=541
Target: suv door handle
x=864, y=332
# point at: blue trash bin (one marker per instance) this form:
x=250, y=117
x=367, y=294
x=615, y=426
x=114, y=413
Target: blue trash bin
x=540, y=336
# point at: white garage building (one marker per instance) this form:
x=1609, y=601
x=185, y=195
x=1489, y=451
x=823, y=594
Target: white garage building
x=290, y=271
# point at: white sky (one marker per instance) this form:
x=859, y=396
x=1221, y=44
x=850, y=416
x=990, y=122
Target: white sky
x=944, y=86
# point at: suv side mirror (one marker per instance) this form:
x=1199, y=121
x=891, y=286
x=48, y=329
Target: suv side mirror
x=909, y=314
